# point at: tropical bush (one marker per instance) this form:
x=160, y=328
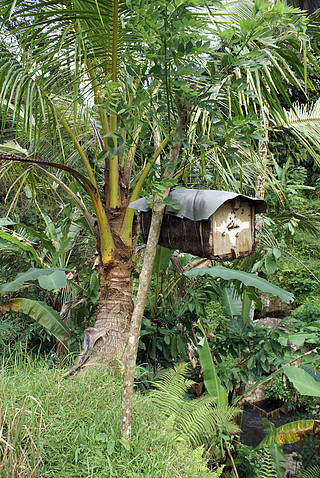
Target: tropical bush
x=308, y=311
x=283, y=393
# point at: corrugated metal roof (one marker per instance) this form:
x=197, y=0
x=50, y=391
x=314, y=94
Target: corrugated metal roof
x=197, y=205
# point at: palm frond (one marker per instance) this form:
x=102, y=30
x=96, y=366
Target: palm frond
x=239, y=173
x=304, y=122
x=306, y=222
x=13, y=147
x=59, y=50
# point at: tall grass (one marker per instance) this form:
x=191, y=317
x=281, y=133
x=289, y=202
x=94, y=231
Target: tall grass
x=57, y=428
x=20, y=440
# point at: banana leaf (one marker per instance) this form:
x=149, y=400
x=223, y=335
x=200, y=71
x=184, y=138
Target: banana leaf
x=303, y=382
x=49, y=279
x=247, y=279
x=22, y=245
x=41, y=312
x=291, y=433
x=211, y=380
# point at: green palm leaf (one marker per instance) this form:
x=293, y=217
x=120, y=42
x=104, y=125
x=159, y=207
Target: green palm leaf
x=304, y=122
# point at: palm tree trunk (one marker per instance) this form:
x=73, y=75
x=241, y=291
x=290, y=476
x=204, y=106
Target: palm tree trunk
x=114, y=308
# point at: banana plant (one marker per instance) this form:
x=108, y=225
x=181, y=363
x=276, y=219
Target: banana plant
x=50, y=250
x=50, y=247
x=41, y=313
x=210, y=376
x=49, y=280
x=286, y=434
x=275, y=437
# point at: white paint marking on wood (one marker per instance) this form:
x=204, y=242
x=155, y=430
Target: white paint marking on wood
x=232, y=233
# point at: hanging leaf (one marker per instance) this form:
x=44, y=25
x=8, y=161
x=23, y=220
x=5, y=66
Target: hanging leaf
x=279, y=459
x=303, y=382
x=56, y=280
x=22, y=245
x=291, y=433
x=231, y=303
x=41, y=312
x=246, y=304
x=246, y=278
x=270, y=263
x=162, y=259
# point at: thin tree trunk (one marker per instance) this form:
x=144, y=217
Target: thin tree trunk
x=141, y=298
x=260, y=187
x=144, y=283
x=261, y=179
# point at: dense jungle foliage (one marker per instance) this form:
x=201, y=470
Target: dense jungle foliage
x=180, y=94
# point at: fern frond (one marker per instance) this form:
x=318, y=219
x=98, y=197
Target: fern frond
x=267, y=469
x=197, y=421
x=312, y=471
x=173, y=381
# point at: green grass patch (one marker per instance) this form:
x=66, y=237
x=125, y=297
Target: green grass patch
x=57, y=428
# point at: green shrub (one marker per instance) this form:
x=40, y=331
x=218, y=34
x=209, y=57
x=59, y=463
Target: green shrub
x=21, y=332
x=296, y=278
x=215, y=315
x=308, y=311
x=282, y=392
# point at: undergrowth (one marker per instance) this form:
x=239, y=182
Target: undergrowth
x=57, y=428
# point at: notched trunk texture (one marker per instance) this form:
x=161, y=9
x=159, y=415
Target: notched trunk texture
x=114, y=308
x=115, y=301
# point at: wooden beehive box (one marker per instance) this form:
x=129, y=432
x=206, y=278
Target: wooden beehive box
x=215, y=224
